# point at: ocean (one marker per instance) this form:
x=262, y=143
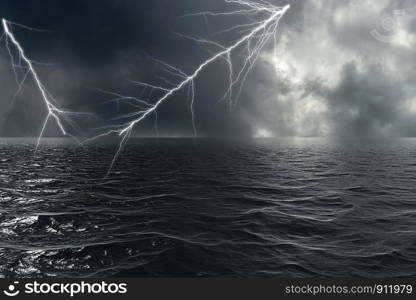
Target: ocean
x=208, y=208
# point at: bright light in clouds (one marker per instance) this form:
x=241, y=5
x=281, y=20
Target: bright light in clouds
x=332, y=34
x=263, y=133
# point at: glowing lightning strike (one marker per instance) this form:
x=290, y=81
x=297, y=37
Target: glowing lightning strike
x=53, y=111
x=255, y=37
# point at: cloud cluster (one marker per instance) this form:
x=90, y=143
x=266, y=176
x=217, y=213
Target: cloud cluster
x=345, y=70
x=341, y=68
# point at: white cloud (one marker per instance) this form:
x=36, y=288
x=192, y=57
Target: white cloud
x=335, y=34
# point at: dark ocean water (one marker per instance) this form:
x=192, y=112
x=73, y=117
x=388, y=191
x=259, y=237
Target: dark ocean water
x=177, y=207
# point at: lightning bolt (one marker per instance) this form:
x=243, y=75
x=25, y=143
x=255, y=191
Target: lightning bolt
x=23, y=62
x=254, y=37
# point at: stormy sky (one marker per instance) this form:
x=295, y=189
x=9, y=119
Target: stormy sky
x=341, y=69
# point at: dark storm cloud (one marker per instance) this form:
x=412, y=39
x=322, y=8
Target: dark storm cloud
x=92, y=44
x=106, y=44
x=331, y=76
x=374, y=95
x=365, y=103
